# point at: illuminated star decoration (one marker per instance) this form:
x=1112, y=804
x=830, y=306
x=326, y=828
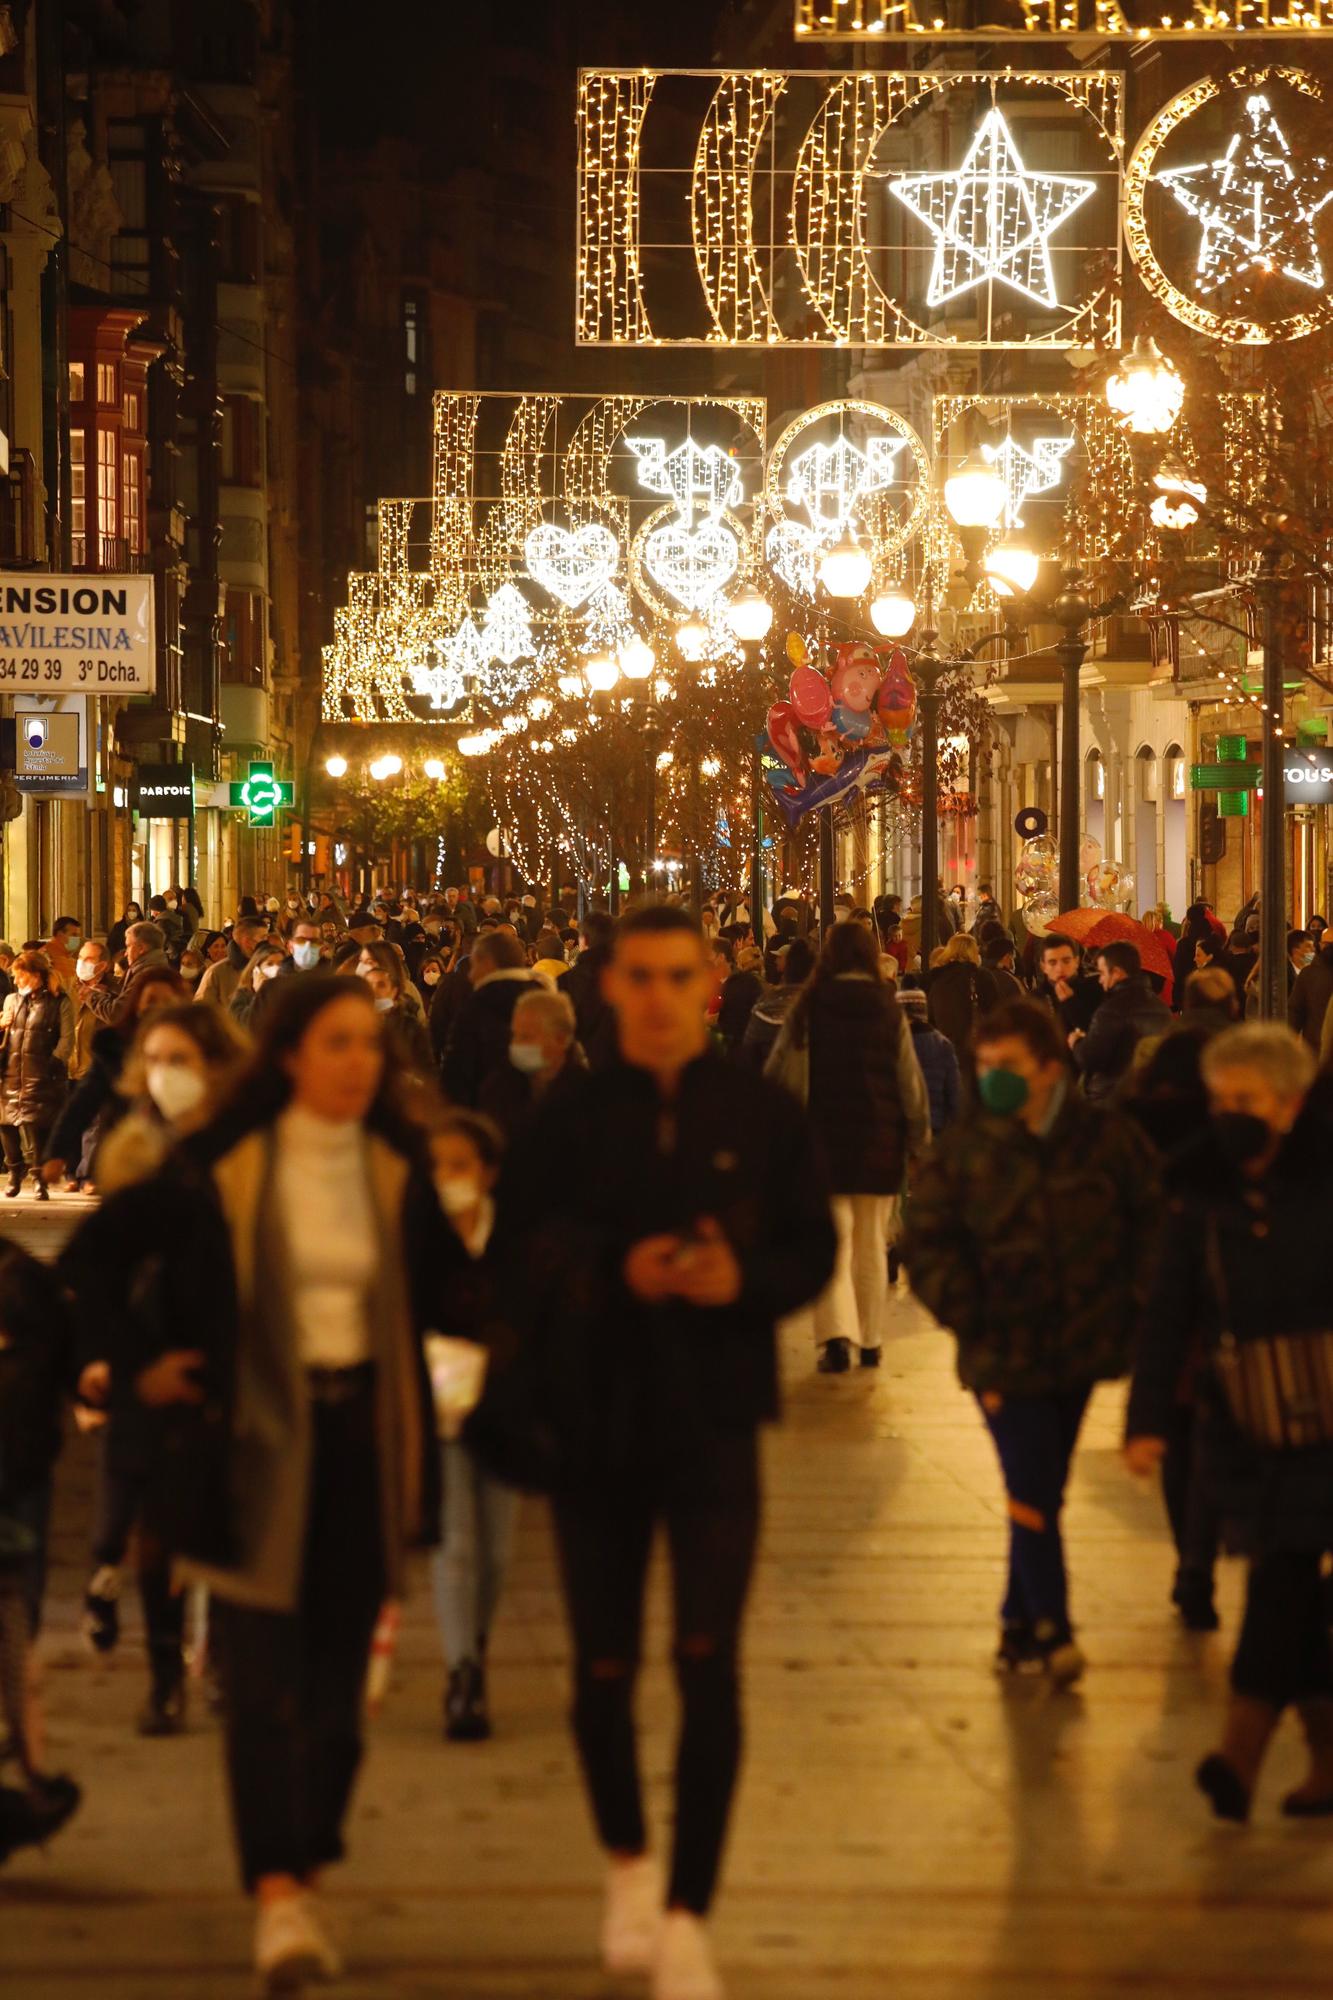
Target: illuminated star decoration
x=1026, y=473
x=692, y=475
x=1256, y=210
x=992, y=219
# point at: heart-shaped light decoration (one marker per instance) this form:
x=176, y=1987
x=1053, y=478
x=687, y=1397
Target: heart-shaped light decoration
x=572, y=563
x=791, y=548
x=692, y=564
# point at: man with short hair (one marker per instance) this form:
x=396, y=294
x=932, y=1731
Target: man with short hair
x=583, y=984
x=62, y=950
x=479, y=1036
x=661, y=1215
x=1072, y=995
x=1129, y=1013
x=145, y=951
x=997, y=955
x=462, y=910
x=1031, y=1230
x=542, y=1049
x=95, y=1001
x=221, y=979
x=304, y=955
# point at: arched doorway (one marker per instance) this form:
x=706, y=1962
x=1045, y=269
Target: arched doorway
x=1146, y=787
x=1175, y=827
x=1094, y=797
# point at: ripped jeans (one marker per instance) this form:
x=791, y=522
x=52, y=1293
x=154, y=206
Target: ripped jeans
x=1035, y=1438
x=709, y=1505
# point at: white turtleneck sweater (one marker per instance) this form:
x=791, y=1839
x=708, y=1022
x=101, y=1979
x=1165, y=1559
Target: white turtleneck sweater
x=326, y=1206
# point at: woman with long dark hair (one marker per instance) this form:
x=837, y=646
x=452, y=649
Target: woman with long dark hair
x=845, y=1048
x=273, y=1285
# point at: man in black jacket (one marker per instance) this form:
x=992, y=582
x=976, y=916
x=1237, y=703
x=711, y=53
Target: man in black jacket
x=1072, y=995
x=1130, y=1012
x=660, y=1220
x=583, y=984
x=479, y=1038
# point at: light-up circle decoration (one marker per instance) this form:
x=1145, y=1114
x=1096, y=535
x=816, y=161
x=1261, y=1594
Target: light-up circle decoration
x=1226, y=193
x=848, y=464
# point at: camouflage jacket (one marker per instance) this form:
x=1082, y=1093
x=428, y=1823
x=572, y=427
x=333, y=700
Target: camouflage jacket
x=1035, y=1251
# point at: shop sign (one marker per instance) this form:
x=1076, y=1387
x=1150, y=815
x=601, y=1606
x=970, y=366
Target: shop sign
x=1308, y=778
x=261, y=794
x=49, y=741
x=164, y=791
x=76, y=633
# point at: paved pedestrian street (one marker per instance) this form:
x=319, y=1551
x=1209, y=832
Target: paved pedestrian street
x=907, y=1825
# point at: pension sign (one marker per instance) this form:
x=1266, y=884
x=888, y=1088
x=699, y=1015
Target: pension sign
x=76, y=634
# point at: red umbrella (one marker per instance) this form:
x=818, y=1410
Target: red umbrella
x=1092, y=928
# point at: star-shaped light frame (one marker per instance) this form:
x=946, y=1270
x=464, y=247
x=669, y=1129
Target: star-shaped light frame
x=993, y=218
x=1239, y=201
x=1272, y=82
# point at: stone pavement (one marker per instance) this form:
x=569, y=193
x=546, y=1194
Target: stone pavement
x=907, y=1826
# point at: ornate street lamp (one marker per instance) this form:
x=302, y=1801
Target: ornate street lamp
x=845, y=570
x=1146, y=391
x=893, y=614
x=750, y=616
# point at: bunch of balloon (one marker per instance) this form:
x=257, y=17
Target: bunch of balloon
x=843, y=727
x=1109, y=885
x=1037, y=880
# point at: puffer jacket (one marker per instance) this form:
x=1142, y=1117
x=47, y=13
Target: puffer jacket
x=765, y=1024
x=1262, y=1232
x=867, y=1098
x=37, y=1048
x=1035, y=1250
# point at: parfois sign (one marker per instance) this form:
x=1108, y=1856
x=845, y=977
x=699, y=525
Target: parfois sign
x=71, y=634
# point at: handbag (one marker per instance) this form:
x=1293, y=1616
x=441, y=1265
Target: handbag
x=1279, y=1386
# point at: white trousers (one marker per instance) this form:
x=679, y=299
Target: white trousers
x=855, y=1305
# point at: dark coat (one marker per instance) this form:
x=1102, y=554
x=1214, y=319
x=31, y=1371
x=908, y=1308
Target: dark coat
x=958, y=995
x=593, y=1020
x=626, y=1384
x=1034, y=1251
x=939, y=1066
x=765, y=1024
x=739, y=993
x=94, y=1099
x=1130, y=1011
x=855, y=1031
x=479, y=1039
x=162, y=1265
x=1267, y=1234
x=35, y=1077
x=1310, y=996
x=1077, y=1011
x=448, y=997
x=36, y=1367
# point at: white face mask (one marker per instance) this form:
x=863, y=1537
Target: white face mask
x=384, y=1003
x=171, y=902
x=87, y=968
x=269, y=970
x=457, y=1193
x=305, y=955
x=174, y=1089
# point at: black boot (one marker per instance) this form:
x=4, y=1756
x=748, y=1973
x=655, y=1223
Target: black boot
x=28, y=1819
x=835, y=1357
x=465, y=1716
x=163, y=1714
x=42, y=1191
x=15, y=1183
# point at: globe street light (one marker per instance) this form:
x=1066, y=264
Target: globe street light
x=1011, y=569
x=637, y=659
x=336, y=766
x=1146, y=391
x=434, y=768
x=601, y=673
x=693, y=640
x=893, y=614
x=750, y=616
x=975, y=495
x=845, y=569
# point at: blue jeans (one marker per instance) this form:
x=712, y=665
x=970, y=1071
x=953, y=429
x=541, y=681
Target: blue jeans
x=468, y=1569
x=1035, y=1438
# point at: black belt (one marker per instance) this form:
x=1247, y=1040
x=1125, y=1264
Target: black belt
x=339, y=1385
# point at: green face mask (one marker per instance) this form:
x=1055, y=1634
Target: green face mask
x=1003, y=1091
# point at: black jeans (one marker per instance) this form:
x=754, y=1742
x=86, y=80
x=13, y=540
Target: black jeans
x=1284, y=1654
x=1034, y=1439
x=120, y=1496
x=1195, y=1527
x=293, y=1681
x=709, y=1504
x=25, y=1146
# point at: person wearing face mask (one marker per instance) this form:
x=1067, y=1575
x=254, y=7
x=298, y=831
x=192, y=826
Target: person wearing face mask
x=269, y=1291
x=381, y=966
x=479, y=1036
x=63, y=951
x=1312, y=989
x=468, y=1568
x=36, y=1043
x=1030, y=1234
x=266, y=963
x=115, y=937
x=542, y=1050
x=182, y=1061
x=303, y=955
x=94, y=1002
x=1239, y=1296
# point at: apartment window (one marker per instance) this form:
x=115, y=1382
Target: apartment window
x=78, y=497
x=107, y=481
x=132, y=499
x=411, y=343
x=107, y=394
x=238, y=241
x=132, y=407
x=245, y=636
x=77, y=389
x=242, y=453
x=127, y=147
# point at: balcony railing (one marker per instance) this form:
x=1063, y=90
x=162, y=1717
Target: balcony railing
x=109, y=553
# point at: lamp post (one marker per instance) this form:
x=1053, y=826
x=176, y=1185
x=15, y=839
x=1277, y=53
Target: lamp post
x=1071, y=611
x=927, y=672
x=1272, y=833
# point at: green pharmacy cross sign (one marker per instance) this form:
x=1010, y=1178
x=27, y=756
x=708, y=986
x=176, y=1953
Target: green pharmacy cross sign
x=1232, y=775
x=261, y=795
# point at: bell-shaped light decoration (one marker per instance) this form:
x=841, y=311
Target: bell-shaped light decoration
x=750, y=616
x=893, y=614
x=601, y=673
x=637, y=659
x=1146, y=391
x=1011, y=569
x=975, y=495
x=845, y=569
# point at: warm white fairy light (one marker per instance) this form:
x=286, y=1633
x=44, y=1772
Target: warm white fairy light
x=992, y=218
x=1027, y=470
x=694, y=476
x=830, y=480
x=506, y=630
x=573, y=564
x=691, y=564
x=1033, y=20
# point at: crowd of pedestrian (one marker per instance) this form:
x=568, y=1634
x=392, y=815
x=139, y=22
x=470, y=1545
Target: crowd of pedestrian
x=335, y=1304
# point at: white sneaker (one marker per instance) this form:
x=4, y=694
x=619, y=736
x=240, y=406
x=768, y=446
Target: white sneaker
x=633, y=1916
x=684, y=1968
x=291, y=1947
